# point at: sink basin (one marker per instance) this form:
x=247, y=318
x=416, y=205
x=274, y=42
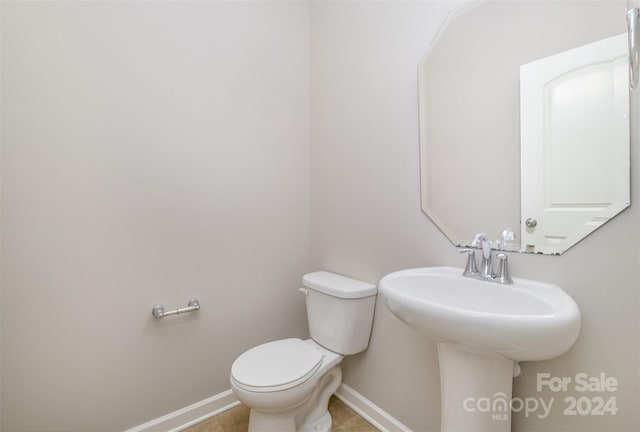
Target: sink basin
x=525, y=321
x=482, y=329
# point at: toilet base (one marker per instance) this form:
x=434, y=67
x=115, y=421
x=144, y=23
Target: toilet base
x=310, y=416
x=262, y=422
x=321, y=425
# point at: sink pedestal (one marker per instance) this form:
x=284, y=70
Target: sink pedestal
x=475, y=390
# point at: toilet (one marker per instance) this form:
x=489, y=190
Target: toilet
x=287, y=383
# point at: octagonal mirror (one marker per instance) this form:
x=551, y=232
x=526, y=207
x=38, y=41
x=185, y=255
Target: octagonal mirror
x=524, y=121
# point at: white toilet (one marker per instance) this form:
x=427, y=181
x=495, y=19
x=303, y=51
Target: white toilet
x=288, y=383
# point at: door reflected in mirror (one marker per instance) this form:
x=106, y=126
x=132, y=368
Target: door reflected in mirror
x=574, y=110
x=524, y=121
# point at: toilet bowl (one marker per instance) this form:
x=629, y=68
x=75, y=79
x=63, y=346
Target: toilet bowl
x=287, y=383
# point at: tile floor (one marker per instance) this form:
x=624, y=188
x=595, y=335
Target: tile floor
x=237, y=420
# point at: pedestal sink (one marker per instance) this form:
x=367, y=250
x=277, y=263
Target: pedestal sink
x=482, y=328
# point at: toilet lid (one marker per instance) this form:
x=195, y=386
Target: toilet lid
x=283, y=364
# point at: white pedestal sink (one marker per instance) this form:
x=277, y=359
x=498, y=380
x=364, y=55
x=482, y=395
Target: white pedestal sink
x=482, y=328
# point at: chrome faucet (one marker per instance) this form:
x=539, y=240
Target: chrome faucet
x=502, y=275
x=507, y=235
x=481, y=241
x=470, y=269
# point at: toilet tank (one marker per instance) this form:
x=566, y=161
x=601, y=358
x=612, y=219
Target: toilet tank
x=339, y=311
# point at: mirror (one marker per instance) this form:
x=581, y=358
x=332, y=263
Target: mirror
x=524, y=121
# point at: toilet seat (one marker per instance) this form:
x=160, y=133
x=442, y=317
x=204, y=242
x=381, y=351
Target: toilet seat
x=276, y=366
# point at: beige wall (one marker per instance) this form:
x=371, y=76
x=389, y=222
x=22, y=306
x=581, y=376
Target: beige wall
x=366, y=222
x=151, y=152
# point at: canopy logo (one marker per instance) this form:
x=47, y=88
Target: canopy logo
x=499, y=406
x=598, y=400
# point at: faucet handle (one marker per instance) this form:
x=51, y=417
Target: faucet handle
x=470, y=269
x=477, y=240
x=506, y=235
x=481, y=240
x=502, y=275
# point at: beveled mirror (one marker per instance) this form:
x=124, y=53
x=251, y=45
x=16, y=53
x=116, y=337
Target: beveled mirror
x=524, y=121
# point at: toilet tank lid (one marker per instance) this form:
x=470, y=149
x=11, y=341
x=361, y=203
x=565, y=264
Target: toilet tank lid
x=338, y=286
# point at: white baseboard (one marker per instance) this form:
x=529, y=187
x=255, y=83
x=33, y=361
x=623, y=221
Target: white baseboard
x=190, y=415
x=369, y=411
x=200, y=411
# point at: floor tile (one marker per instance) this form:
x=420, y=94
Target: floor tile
x=356, y=424
x=340, y=413
x=237, y=420
x=210, y=425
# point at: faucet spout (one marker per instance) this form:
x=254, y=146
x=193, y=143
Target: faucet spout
x=486, y=267
x=486, y=248
x=481, y=240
